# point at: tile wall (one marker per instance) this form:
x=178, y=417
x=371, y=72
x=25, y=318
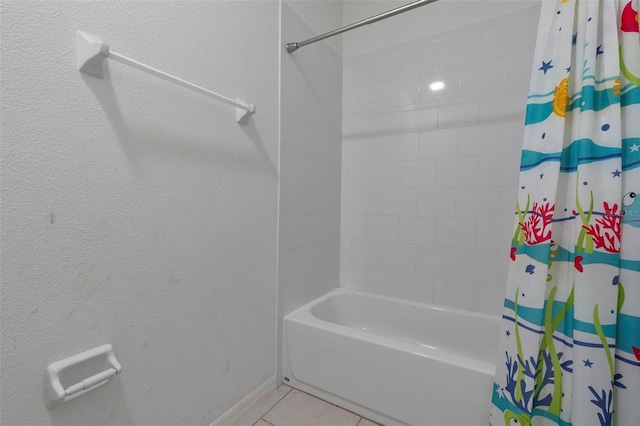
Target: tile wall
x=310, y=167
x=429, y=178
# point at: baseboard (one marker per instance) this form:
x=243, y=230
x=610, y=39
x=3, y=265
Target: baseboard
x=246, y=404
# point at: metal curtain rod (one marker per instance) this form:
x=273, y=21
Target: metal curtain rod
x=292, y=47
x=92, y=52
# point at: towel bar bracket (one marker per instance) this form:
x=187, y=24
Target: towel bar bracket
x=91, y=53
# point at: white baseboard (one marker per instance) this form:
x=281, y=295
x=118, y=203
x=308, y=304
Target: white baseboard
x=246, y=404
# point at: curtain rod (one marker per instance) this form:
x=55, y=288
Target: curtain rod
x=292, y=47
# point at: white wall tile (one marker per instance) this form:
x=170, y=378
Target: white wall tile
x=373, y=123
x=294, y=263
x=441, y=143
x=403, y=91
x=454, y=293
x=299, y=200
x=345, y=250
x=297, y=262
x=346, y=201
x=489, y=298
x=356, y=71
x=457, y=172
x=437, y=172
x=415, y=286
x=474, y=141
x=353, y=226
x=366, y=253
x=386, y=94
x=419, y=117
x=500, y=105
x=310, y=173
x=435, y=261
x=494, y=234
x=382, y=228
x=384, y=175
x=310, y=110
x=381, y=281
x=386, y=65
x=461, y=47
x=517, y=69
x=479, y=265
x=450, y=77
x=503, y=267
x=349, y=151
x=355, y=175
x=512, y=137
x=455, y=232
x=400, y=202
x=478, y=202
x=499, y=170
x=302, y=169
x=460, y=111
x=508, y=196
x=310, y=141
x=397, y=147
x=367, y=201
x=436, y=202
x=371, y=175
x=360, y=98
x=399, y=256
x=417, y=230
x=507, y=35
x=418, y=174
x=420, y=56
x=481, y=77
x=296, y=231
x=352, y=276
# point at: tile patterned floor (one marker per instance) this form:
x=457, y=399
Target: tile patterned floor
x=290, y=407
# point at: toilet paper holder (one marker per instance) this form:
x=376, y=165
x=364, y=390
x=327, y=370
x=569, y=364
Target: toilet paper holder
x=78, y=374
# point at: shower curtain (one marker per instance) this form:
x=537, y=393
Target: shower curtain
x=570, y=344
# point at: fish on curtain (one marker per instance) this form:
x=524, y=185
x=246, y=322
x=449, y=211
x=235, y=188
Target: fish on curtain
x=570, y=344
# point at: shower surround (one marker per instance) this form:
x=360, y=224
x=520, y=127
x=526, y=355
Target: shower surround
x=429, y=181
x=429, y=177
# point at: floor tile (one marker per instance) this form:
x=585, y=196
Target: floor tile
x=298, y=408
x=366, y=422
x=265, y=404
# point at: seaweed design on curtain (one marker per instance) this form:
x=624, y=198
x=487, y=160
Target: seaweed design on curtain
x=570, y=344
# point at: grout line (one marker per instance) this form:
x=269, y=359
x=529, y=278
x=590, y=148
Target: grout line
x=276, y=403
x=335, y=405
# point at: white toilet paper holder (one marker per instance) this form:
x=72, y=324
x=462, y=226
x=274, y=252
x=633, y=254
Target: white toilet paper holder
x=64, y=378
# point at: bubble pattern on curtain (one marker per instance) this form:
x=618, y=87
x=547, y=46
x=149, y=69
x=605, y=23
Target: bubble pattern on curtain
x=570, y=344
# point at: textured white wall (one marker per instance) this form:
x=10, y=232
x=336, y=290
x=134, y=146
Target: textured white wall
x=428, y=20
x=136, y=212
x=310, y=163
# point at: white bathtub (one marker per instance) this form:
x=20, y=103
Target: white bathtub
x=393, y=361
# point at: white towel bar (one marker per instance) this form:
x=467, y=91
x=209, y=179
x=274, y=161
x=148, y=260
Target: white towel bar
x=92, y=52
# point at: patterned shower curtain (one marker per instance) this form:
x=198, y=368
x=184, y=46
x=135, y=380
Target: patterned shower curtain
x=570, y=344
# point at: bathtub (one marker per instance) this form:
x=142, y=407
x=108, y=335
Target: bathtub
x=393, y=361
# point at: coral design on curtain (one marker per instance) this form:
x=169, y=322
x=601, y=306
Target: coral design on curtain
x=570, y=344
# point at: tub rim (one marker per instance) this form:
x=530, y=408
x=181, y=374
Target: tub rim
x=304, y=316
x=349, y=291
